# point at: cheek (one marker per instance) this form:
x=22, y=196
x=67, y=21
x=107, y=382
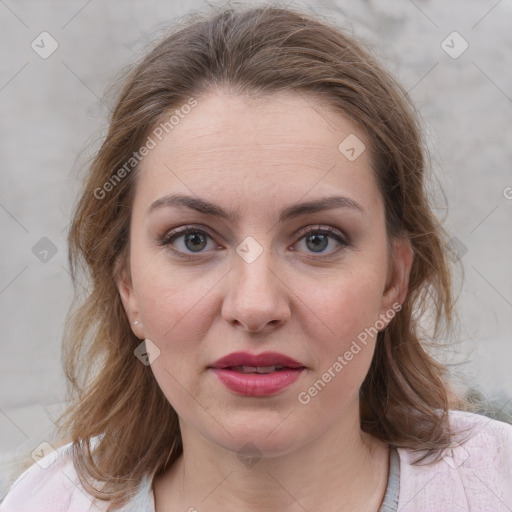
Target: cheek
x=173, y=308
x=343, y=347
x=339, y=318
x=169, y=299
x=344, y=306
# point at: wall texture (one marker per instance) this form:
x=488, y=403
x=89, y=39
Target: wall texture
x=454, y=58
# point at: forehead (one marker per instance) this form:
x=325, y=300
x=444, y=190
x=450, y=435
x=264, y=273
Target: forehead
x=286, y=145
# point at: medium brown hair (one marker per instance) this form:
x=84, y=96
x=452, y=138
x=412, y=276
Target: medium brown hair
x=404, y=398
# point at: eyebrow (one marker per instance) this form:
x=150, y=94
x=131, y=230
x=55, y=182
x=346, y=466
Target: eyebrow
x=288, y=213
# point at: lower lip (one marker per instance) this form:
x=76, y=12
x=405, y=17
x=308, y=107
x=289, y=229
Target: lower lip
x=257, y=384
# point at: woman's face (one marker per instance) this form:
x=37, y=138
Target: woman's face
x=257, y=272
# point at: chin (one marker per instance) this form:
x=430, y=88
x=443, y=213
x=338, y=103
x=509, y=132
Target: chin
x=269, y=437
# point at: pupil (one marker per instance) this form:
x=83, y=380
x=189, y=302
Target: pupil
x=192, y=239
x=319, y=244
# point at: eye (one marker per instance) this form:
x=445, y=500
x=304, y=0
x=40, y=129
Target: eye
x=187, y=240
x=318, y=239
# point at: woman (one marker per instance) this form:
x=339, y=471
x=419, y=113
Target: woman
x=262, y=258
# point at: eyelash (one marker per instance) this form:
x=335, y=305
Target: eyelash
x=170, y=237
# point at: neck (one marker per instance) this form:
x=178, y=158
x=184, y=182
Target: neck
x=344, y=469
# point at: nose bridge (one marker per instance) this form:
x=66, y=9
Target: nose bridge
x=256, y=297
x=253, y=268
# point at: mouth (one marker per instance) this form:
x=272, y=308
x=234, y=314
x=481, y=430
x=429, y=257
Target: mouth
x=257, y=375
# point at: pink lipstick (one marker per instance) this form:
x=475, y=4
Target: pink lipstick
x=264, y=374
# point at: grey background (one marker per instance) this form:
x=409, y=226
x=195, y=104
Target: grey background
x=52, y=116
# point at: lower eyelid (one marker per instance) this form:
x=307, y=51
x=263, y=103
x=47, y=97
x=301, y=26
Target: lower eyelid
x=170, y=240
x=329, y=254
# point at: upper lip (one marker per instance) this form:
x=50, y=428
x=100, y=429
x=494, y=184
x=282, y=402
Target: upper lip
x=248, y=359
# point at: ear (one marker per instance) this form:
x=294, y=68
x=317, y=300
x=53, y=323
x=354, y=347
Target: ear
x=129, y=300
x=400, y=264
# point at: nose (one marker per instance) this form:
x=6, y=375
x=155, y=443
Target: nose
x=257, y=299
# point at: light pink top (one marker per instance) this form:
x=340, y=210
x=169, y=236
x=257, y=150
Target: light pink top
x=474, y=476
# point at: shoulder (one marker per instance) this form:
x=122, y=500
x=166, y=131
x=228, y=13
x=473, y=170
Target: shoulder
x=50, y=485
x=474, y=474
